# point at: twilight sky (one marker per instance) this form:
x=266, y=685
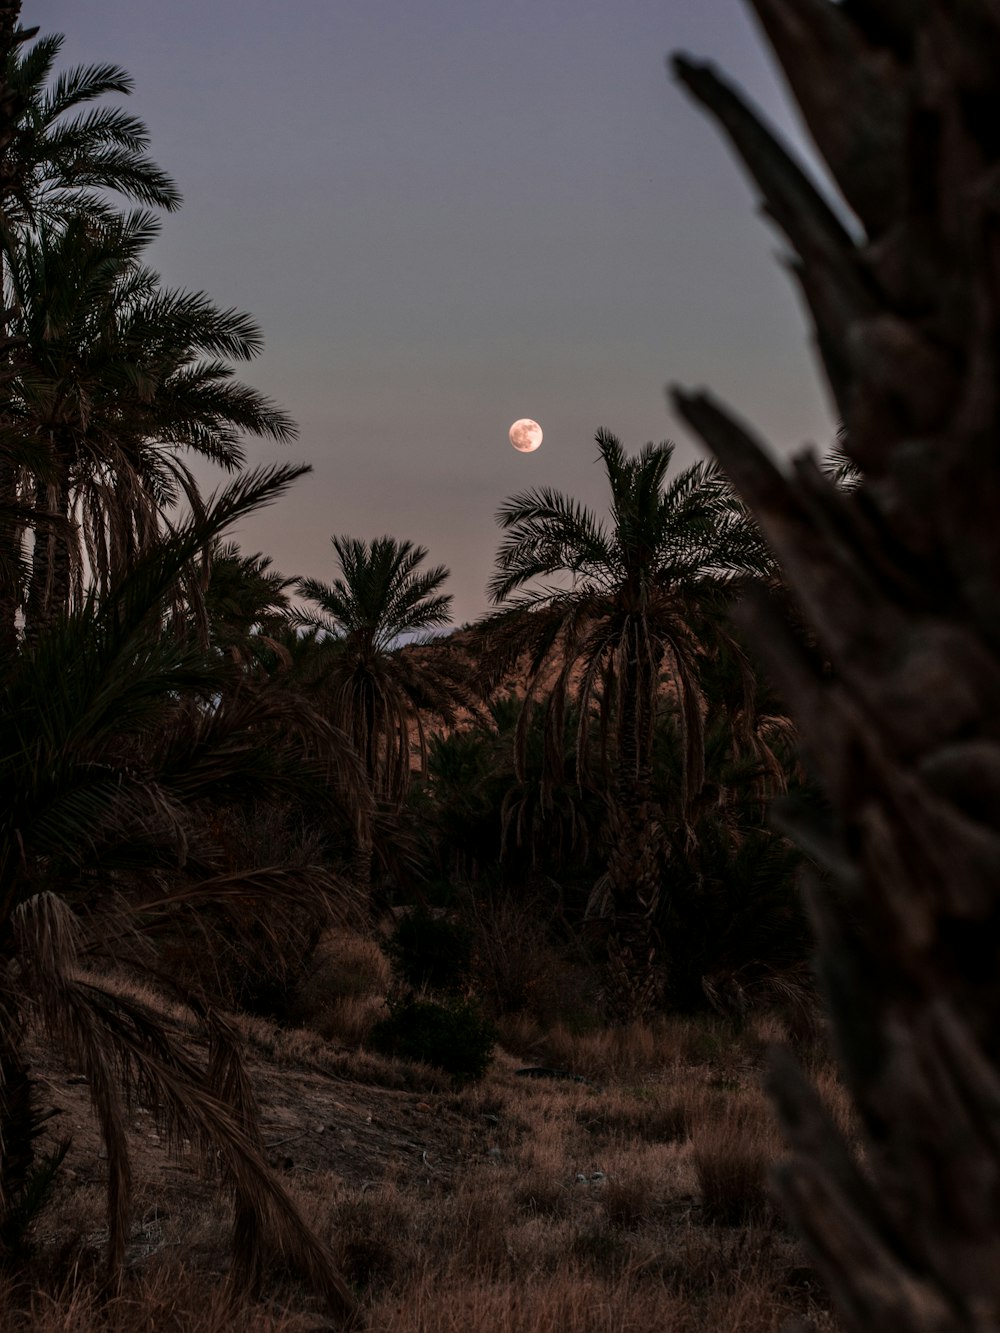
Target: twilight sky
x=447, y=214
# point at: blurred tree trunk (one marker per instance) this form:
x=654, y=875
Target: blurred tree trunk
x=10, y=108
x=900, y=712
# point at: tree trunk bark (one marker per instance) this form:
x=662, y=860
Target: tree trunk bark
x=899, y=579
x=634, y=982
x=51, y=563
x=11, y=105
x=10, y=559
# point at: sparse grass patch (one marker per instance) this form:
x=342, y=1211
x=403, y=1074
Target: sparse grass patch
x=620, y=1116
x=349, y=1020
x=168, y=1299
x=732, y=1151
x=613, y=1053
x=348, y=976
x=571, y=1298
x=371, y=1232
x=513, y=1205
x=541, y=1192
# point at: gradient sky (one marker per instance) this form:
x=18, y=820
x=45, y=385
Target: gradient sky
x=447, y=214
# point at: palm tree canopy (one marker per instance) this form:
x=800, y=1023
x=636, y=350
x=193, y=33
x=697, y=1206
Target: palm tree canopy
x=65, y=152
x=379, y=687
x=661, y=535
x=379, y=597
x=649, y=593
x=115, y=379
x=108, y=353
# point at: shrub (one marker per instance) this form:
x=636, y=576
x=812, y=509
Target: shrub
x=430, y=951
x=342, y=993
x=454, y=1036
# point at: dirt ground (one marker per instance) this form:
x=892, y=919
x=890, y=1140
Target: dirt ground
x=312, y=1121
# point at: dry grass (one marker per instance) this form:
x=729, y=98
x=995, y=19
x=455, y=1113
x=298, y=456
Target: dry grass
x=169, y=1300
x=343, y=996
x=634, y=1201
x=733, y=1148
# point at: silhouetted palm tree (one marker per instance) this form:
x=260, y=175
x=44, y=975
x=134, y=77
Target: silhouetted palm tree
x=383, y=678
x=115, y=379
x=382, y=682
x=64, y=154
x=647, y=606
x=246, y=605
x=59, y=156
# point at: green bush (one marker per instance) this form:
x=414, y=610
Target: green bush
x=430, y=951
x=454, y=1036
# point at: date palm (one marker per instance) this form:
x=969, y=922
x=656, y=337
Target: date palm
x=381, y=680
x=115, y=381
x=64, y=155
x=246, y=605
x=899, y=709
x=60, y=155
x=646, y=608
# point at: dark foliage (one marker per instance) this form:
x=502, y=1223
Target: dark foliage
x=453, y=1036
x=431, y=951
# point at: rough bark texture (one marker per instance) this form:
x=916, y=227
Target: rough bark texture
x=634, y=980
x=10, y=109
x=50, y=584
x=900, y=580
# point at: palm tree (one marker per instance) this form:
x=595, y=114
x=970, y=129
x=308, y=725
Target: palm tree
x=59, y=156
x=380, y=678
x=114, y=379
x=63, y=154
x=100, y=786
x=381, y=683
x=645, y=610
x=246, y=605
x=898, y=708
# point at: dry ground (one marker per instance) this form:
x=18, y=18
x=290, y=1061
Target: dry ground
x=634, y=1201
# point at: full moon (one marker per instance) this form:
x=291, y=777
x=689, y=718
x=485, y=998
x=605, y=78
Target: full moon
x=526, y=435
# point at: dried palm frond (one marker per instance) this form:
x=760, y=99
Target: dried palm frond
x=129, y=1055
x=96, y=793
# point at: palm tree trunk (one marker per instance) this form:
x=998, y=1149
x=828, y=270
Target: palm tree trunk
x=51, y=565
x=900, y=719
x=634, y=983
x=18, y=1121
x=10, y=108
x=634, y=977
x=10, y=593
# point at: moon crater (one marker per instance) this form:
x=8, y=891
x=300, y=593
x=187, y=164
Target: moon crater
x=526, y=435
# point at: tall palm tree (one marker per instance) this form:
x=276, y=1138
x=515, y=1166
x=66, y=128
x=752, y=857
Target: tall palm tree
x=59, y=156
x=64, y=155
x=380, y=678
x=115, y=378
x=646, y=607
x=383, y=678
